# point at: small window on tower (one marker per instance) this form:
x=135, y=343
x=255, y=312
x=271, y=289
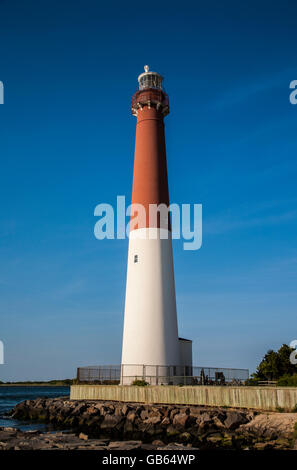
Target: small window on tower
x=135, y=258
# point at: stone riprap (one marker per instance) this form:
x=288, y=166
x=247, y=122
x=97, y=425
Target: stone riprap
x=14, y=439
x=198, y=426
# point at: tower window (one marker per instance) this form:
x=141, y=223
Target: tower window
x=135, y=258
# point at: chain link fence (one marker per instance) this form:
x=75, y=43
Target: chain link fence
x=157, y=375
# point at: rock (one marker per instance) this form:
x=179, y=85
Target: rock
x=194, y=411
x=158, y=443
x=204, y=422
x=138, y=409
x=173, y=446
x=227, y=441
x=215, y=438
x=83, y=436
x=92, y=410
x=218, y=423
x=165, y=421
x=261, y=446
x=234, y=420
x=118, y=411
x=79, y=409
x=128, y=427
x=131, y=416
x=171, y=431
x=185, y=437
x=294, y=447
x=198, y=425
x=271, y=425
x=125, y=409
x=154, y=419
x=180, y=420
x=144, y=414
x=165, y=410
x=111, y=421
x=173, y=412
x=124, y=445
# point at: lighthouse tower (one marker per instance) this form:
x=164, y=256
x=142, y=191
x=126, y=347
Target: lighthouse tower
x=150, y=336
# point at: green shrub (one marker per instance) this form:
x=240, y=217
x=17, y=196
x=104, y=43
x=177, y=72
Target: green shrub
x=252, y=381
x=294, y=410
x=280, y=409
x=140, y=383
x=287, y=380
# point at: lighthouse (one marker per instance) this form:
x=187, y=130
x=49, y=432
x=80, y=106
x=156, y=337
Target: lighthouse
x=151, y=345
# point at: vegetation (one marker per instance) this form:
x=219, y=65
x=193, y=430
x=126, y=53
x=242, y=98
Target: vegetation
x=288, y=380
x=63, y=382
x=140, y=383
x=276, y=366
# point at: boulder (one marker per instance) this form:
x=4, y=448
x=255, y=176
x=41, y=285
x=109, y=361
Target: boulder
x=110, y=422
x=185, y=437
x=234, y=420
x=171, y=431
x=180, y=420
x=131, y=416
x=154, y=419
x=158, y=443
x=125, y=409
x=165, y=421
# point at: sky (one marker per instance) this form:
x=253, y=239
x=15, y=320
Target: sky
x=69, y=70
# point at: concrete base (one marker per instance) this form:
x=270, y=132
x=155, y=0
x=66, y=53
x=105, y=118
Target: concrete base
x=263, y=398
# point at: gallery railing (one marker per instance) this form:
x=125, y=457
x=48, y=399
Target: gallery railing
x=155, y=374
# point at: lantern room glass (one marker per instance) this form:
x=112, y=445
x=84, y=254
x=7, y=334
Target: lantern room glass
x=150, y=80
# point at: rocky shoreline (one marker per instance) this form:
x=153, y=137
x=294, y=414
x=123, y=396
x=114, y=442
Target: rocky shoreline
x=99, y=425
x=14, y=439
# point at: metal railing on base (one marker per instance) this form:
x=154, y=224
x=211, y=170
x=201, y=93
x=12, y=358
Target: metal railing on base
x=158, y=375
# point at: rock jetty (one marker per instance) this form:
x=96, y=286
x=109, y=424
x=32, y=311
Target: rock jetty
x=197, y=426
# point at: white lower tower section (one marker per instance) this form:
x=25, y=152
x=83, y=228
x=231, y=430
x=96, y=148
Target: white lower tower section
x=150, y=326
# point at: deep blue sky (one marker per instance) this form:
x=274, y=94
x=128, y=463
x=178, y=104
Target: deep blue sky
x=67, y=140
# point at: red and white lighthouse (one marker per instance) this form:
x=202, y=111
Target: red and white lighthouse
x=150, y=336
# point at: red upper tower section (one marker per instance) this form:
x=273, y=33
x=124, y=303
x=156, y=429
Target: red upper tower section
x=150, y=183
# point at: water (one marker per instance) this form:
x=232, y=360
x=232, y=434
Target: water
x=11, y=395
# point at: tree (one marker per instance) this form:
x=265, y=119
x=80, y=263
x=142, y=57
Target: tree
x=275, y=364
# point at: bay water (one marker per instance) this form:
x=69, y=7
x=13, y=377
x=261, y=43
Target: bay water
x=10, y=395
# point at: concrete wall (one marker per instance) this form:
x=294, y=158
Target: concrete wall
x=263, y=398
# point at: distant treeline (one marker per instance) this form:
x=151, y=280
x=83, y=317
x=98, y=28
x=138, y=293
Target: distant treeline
x=36, y=382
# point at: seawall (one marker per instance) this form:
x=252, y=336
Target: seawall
x=258, y=398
